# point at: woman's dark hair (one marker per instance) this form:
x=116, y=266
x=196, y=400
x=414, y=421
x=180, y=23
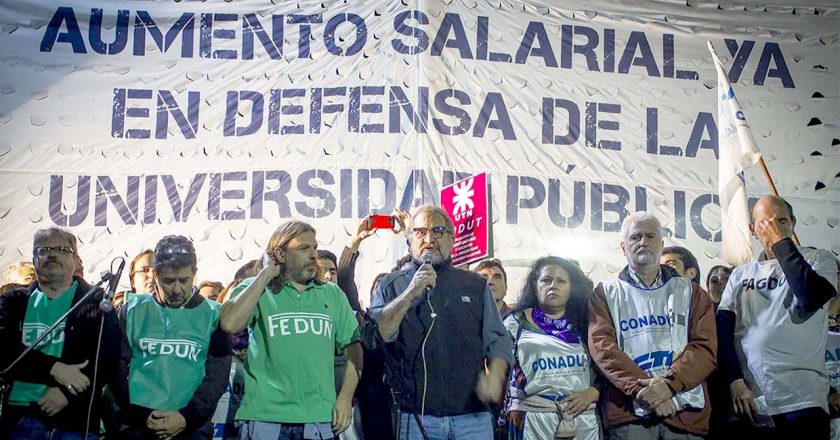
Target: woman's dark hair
x=580, y=290
x=175, y=251
x=714, y=270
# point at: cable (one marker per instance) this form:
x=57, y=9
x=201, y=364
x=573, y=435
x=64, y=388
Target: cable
x=423, y=354
x=95, y=374
x=96, y=364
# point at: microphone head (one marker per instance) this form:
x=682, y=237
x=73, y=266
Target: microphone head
x=427, y=258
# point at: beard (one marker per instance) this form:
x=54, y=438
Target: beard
x=303, y=274
x=432, y=255
x=53, y=271
x=644, y=258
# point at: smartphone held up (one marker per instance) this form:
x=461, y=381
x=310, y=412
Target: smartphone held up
x=381, y=222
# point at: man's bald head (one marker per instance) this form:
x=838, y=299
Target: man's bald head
x=776, y=202
x=772, y=220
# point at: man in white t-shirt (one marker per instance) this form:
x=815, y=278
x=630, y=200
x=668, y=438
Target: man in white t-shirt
x=771, y=328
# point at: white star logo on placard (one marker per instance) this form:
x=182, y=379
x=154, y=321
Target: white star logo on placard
x=463, y=196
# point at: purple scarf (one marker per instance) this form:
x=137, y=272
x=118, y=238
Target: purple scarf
x=560, y=328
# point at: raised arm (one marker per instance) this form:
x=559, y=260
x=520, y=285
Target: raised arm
x=808, y=283
x=346, y=276
x=237, y=311
x=389, y=315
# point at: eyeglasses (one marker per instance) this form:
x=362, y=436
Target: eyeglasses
x=437, y=231
x=42, y=251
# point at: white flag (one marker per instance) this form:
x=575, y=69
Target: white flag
x=738, y=152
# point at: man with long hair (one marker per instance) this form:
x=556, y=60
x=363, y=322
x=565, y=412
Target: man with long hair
x=296, y=322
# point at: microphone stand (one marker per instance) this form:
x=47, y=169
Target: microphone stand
x=392, y=367
x=4, y=383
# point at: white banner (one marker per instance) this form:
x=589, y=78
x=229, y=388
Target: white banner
x=126, y=122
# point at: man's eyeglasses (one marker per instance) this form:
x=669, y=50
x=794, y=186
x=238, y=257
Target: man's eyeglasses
x=437, y=231
x=42, y=251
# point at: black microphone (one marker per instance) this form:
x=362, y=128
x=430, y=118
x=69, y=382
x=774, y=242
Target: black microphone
x=107, y=303
x=427, y=259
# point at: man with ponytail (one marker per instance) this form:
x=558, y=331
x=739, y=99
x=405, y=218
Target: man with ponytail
x=296, y=322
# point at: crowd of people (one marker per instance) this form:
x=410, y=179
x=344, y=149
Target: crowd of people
x=439, y=354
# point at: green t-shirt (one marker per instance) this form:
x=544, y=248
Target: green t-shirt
x=41, y=313
x=168, y=351
x=292, y=340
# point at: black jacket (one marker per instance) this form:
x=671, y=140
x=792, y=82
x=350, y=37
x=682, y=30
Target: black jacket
x=467, y=329
x=81, y=333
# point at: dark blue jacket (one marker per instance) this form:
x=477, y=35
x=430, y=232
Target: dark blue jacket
x=467, y=329
x=81, y=333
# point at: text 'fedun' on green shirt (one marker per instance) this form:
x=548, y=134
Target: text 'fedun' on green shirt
x=41, y=313
x=168, y=351
x=293, y=336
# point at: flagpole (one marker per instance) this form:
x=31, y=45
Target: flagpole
x=769, y=178
x=775, y=191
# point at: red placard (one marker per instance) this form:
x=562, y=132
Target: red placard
x=467, y=204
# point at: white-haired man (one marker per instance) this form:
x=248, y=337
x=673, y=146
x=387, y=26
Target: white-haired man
x=652, y=335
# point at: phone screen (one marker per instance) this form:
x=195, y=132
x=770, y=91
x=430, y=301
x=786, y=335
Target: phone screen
x=381, y=222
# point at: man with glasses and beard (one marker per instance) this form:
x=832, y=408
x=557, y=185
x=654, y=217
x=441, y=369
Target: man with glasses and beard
x=296, y=321
x=447, y=335
x=54, y=391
